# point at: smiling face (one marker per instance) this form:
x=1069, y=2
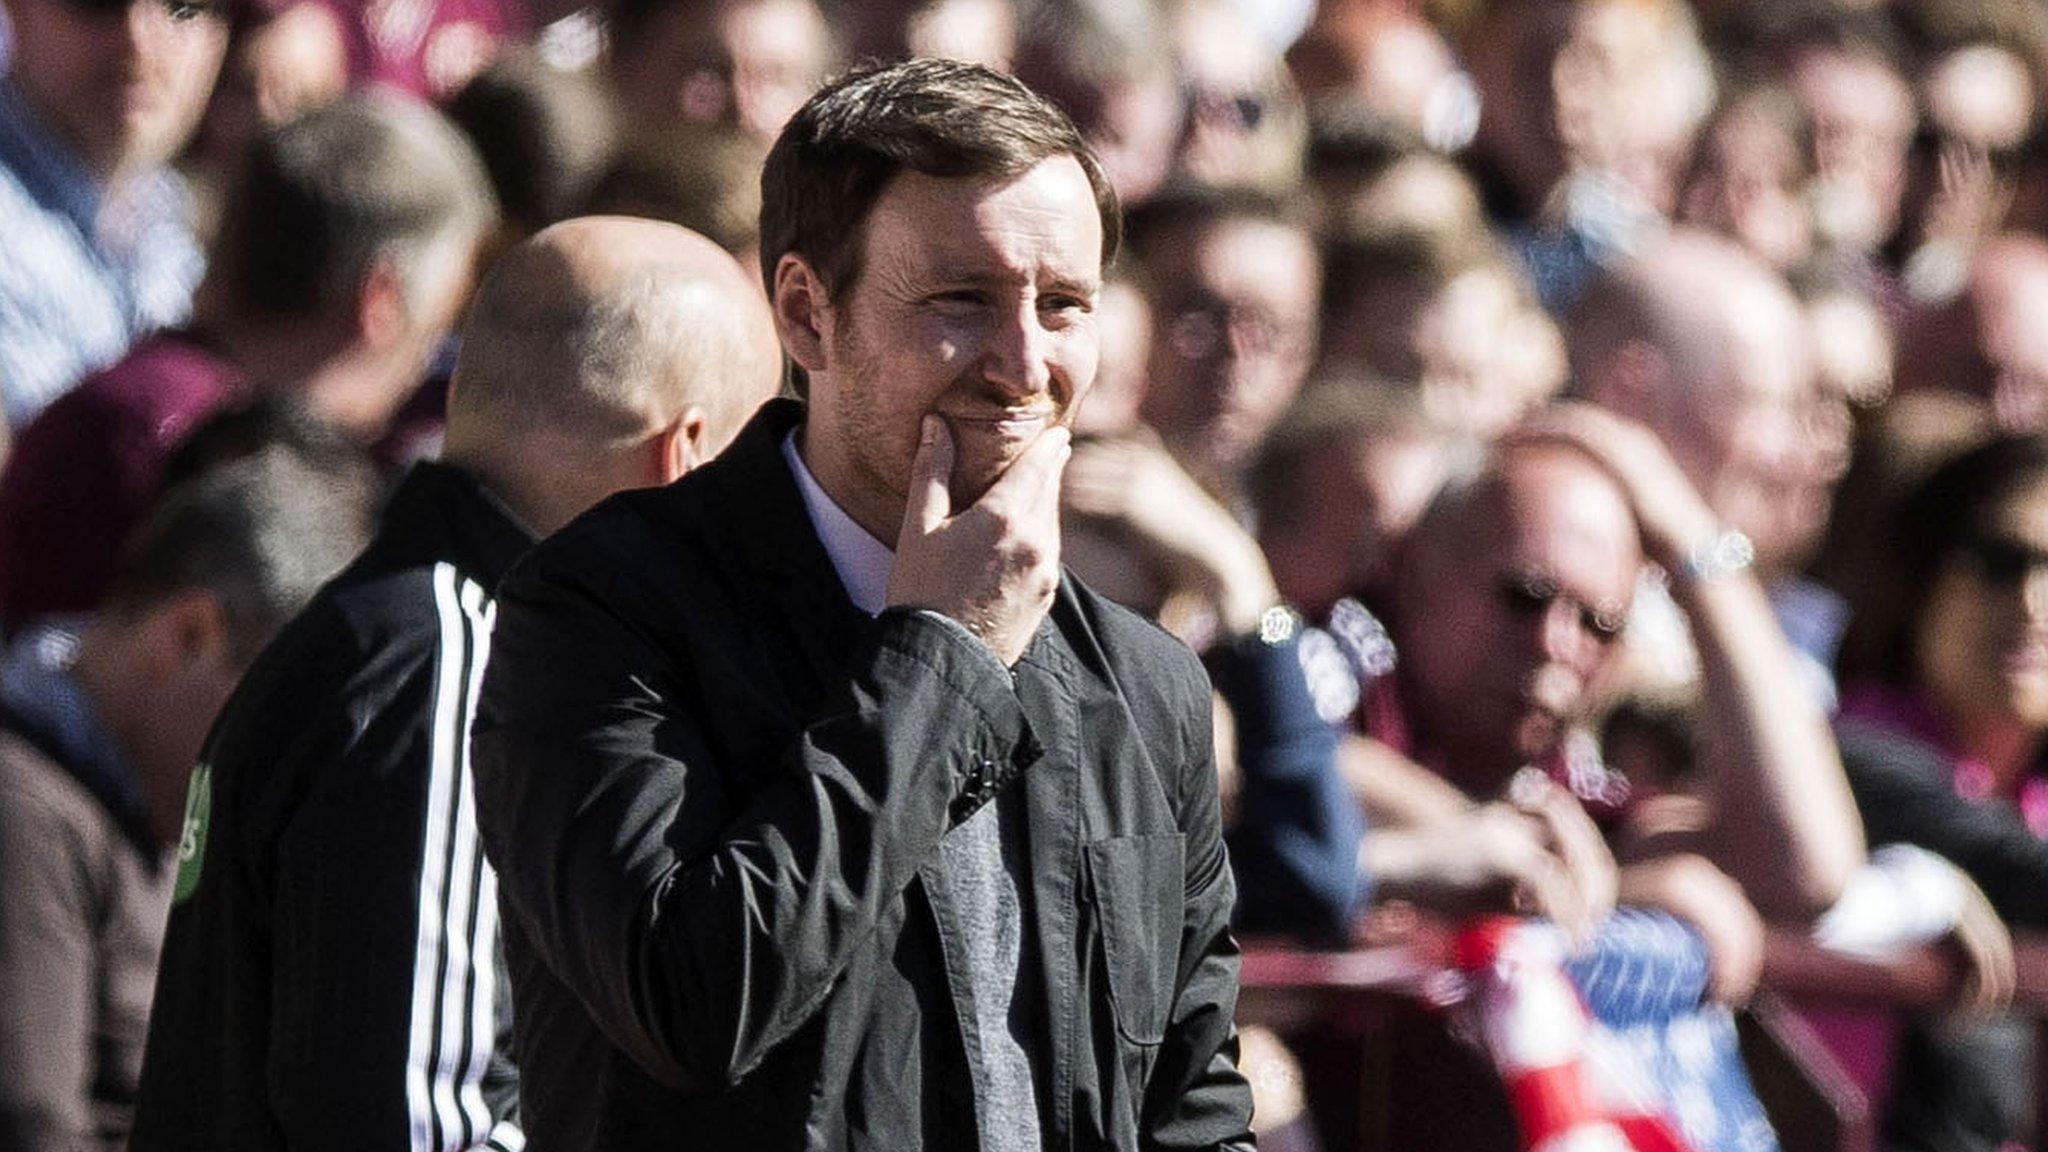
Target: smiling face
x=976, y=302
x=1982, y=638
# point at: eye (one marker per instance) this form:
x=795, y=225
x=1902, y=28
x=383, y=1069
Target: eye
x=957, y=301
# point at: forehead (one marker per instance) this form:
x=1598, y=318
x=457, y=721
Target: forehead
x=1561, y=518
x=1239, y=256
x=1042, y=223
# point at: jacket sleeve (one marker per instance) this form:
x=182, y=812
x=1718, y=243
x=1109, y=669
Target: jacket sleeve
x=1196, y=1097
x=48, y=968
x=383, y=923
x=701, y=909
x=1905, y=793
x=1295, y=844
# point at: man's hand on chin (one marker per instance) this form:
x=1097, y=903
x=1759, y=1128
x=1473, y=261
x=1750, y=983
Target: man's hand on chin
x=994, y=564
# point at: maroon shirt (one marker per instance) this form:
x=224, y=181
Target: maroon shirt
x=85, y=470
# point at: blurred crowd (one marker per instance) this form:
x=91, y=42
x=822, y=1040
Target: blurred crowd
x=1599, y=446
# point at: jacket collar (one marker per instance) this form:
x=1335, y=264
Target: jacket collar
x=441, y=512
x=756, y=505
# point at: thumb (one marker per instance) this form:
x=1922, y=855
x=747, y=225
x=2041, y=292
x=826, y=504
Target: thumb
x=930, y=498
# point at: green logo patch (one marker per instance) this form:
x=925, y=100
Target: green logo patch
x=192, y=841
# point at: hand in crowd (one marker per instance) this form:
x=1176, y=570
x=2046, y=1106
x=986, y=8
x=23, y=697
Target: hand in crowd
x=1135, y=485
x=1544, y=859
x=1981, y=937
x=995, y=564
x=1673, y=516
x=1692, y=889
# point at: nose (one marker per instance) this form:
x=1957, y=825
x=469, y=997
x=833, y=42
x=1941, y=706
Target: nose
x=2034, y=594
x=1018, y=357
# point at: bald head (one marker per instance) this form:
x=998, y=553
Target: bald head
x=1511, y=591
x=1686, y=300
x=605, y=345
x=1707, y=346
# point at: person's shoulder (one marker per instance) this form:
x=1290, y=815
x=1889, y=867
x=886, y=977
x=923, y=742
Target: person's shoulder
x=1146, y=660
x=44, y=808
x=1869, y=747
x=644, y=538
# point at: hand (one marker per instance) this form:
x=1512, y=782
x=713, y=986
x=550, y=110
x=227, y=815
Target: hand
x=1986, y=947
x=995, y=564
x=1494, y=858
x=1134, y=485
x=1672, y=515
x=1692, y=889
x=1571, y=835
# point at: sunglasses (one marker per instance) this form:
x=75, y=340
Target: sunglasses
x=177, y=10
x=1531, y=594
x=2003, y=562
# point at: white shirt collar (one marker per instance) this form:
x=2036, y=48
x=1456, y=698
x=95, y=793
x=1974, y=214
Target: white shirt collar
x=863, y=562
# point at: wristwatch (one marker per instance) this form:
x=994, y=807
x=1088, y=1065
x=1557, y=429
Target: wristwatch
x=1722, y=553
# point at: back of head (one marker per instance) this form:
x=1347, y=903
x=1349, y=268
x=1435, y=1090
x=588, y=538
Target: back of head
x=322, y=199
x=601, y=330
x=704, y=177
x=261, y=532
x=544, y=135
x=1681, y=299
x=935, y=117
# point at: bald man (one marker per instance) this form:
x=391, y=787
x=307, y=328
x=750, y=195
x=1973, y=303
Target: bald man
x=332, y=976
x=1705, y=345
x=1987, y=340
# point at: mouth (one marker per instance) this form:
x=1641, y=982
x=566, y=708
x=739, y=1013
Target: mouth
x=1007, y=423
x=2027, y=657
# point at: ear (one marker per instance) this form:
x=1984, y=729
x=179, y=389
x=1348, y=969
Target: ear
x=802, y=311
x=382, y=315
x=192, y=635
x=682, y=445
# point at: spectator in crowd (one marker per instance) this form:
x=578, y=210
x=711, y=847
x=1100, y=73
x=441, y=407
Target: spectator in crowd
x=1704, y=344
x=841, y=793
x=98, y=732
x=1389, y=64
x=545, y=136
x=1751, y=175
x=1337, y=485
x=1455, y=319
x=1844, y=66
x=1234, y=285
x=1243, y=126
x=703, y=177
x=347, y=253
x=1366, y=183
x=1503, y=621
x=1986, y=340
x=1944, y=719
x=1109, y=67
x=332, y=974
x=96, y=100
x=1589, y=113
x=747, y=63
x=282, y=61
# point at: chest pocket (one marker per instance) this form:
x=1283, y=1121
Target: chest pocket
x=1136, y=883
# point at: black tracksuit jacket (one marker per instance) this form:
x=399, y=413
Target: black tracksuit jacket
x=331, y=977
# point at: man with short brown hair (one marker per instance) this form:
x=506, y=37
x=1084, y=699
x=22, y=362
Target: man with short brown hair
x=827, y=812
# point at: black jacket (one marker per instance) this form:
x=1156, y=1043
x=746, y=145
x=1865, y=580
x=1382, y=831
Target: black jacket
x=331, y=977
x=714, y=792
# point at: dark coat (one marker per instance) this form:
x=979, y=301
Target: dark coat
x=714, y=792
x=330, y=976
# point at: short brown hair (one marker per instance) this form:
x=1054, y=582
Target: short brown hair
x=936, y=117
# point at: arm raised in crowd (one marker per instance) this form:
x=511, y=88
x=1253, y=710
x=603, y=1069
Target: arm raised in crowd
x=1783, y=823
